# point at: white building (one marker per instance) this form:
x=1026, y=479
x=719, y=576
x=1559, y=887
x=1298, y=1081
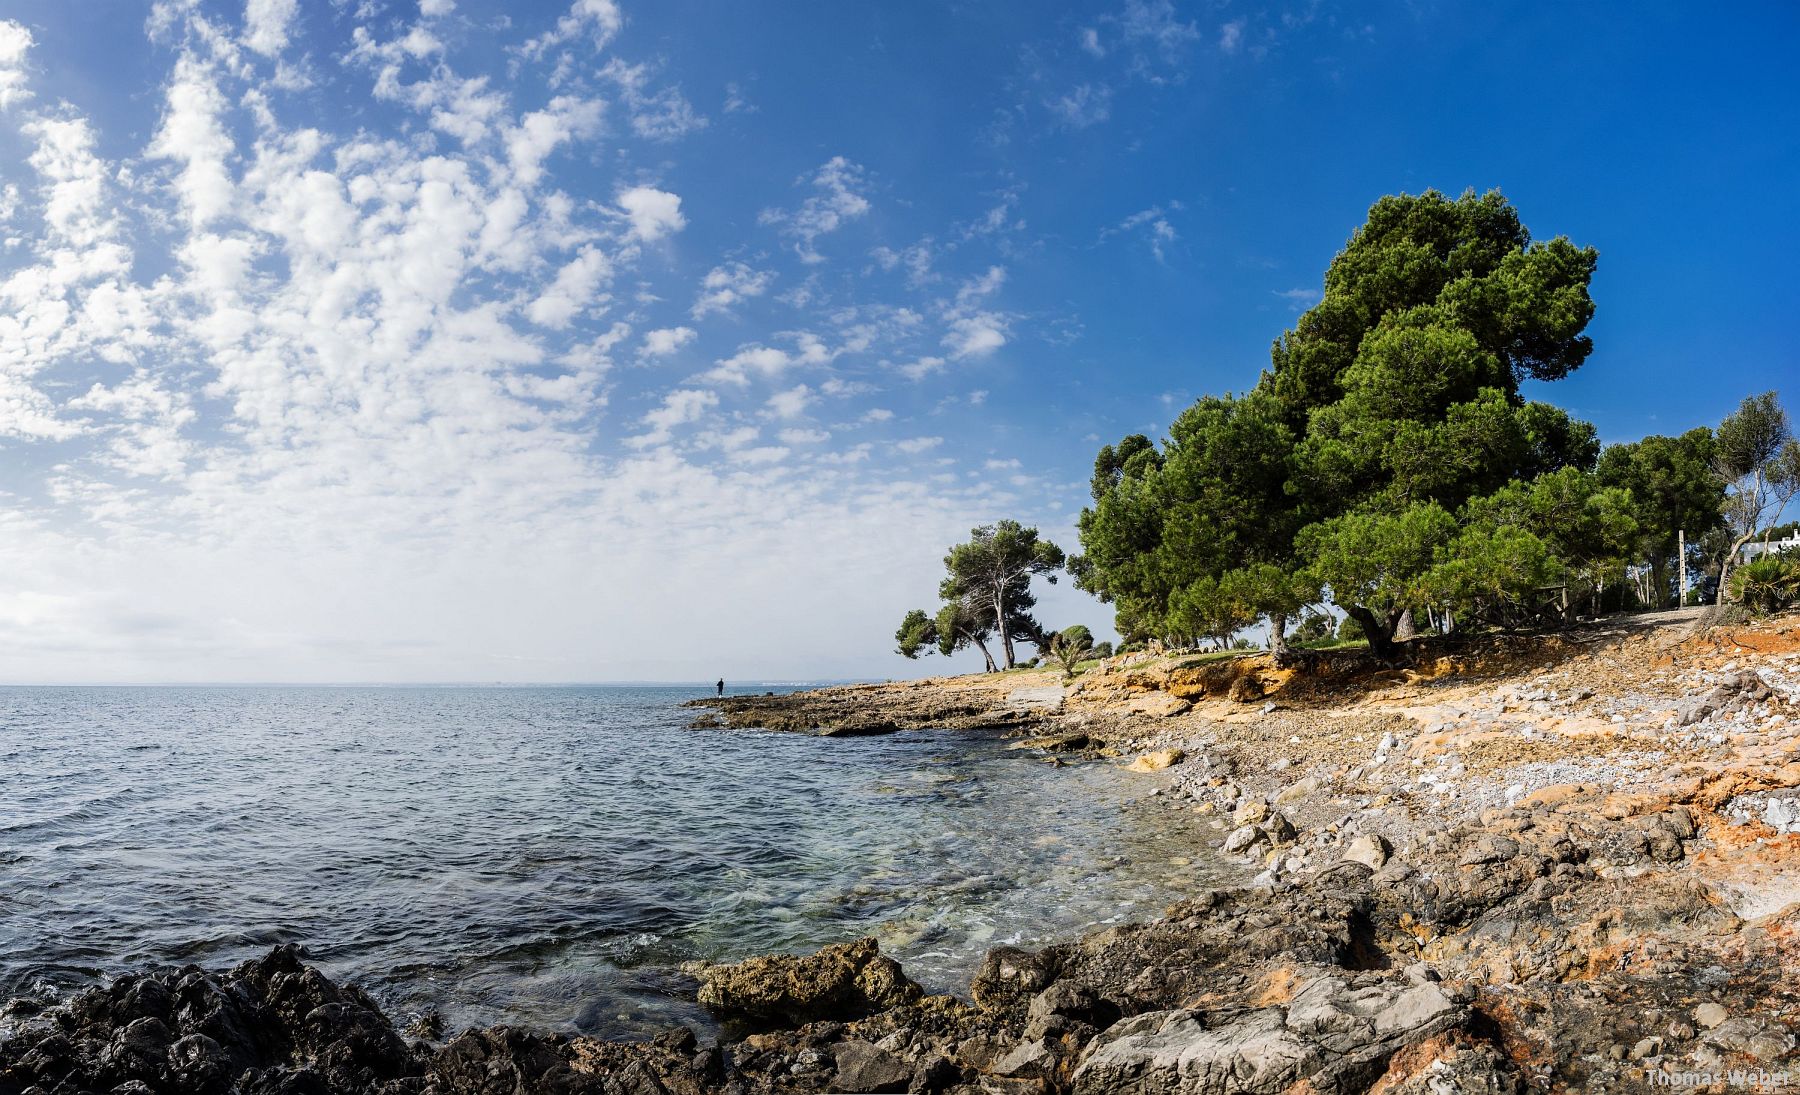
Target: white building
x=1756, y=549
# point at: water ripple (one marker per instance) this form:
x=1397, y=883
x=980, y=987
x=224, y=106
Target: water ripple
x=547, y=856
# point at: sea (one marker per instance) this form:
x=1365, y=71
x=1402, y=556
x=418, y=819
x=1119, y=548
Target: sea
x=546, y=856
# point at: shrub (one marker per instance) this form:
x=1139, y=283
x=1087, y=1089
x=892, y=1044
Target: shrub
x=1103, y=649
x=1767, y=585
x=1314, y=627
x=1349, y=630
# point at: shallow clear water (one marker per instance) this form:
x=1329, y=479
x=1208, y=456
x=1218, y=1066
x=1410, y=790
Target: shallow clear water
x=538, y=855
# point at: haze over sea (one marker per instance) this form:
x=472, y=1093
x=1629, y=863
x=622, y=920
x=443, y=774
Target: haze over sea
x=546, y=855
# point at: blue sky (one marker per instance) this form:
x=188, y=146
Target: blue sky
x=458, y=340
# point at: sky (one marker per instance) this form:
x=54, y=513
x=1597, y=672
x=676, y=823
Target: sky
x=460, y=340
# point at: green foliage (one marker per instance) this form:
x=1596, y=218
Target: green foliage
x=1349, y=631
x=1070, y=647
x=1673, y=488
x=1079, y=635
x=1103, y=649
x=1353, y=467
x=1767, y=585
x=917, y=632
x=987, y=592
x=1314, y=627
x=1759, y=459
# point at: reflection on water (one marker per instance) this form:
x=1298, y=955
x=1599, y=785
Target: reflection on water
x=537, y=855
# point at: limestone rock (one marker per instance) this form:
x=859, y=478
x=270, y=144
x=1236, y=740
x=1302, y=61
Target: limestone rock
x=1157, y=704
x=1334, y=1034
x=842, y=981
x=1368, y=849
x=864, y=1067
x=1157, y=761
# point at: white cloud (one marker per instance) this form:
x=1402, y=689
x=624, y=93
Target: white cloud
x=373, y=358
x=1231, y=36
x=573, y=291
x=1299, y=299
x=923, y=367
x=1153, y=224
x=1154, y=22
x=266, y=24
x=726, y=286
x=653, y=213
x=1083, y=106
x=599, y=20
x=15, y=46
x=538, y=134
x=662, y=115
x=791, y=403
x=839, y=199
x=973, y=330
x=192, y=135
x=679, y=407
x=666, y=341
x=1090, y=41
x=913, y=446
x=768, y=362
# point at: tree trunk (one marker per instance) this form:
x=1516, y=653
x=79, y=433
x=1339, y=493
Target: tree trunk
x=1725, y=563
x=1278, y=646
x=1406, y=628
x=1006, y=643
x=1380, y=632
x=989, y=658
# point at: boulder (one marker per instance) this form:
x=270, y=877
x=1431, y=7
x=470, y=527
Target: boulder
x=1337, y=1033
x=843, y=981
x=1243, y=838
x=1010, y=976
x=1366, y=848
x=1159, y=705
x=1157, y=761
x=864, y=1067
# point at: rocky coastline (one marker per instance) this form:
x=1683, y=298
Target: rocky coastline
x=1567, y=864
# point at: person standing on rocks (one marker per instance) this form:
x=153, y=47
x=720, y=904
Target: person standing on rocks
x=721, y=687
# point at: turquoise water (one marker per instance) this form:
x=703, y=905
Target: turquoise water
x=538, y=855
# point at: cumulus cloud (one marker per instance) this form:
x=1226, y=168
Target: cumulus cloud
x=574, y=290
x=726, y=286
x=838, y=200
x=974, y=330
x=678, y=408
x=652, y=213
x=15, y=46
x=599, y=21
x=266, y=24
x=791, y=403
x=666, y=340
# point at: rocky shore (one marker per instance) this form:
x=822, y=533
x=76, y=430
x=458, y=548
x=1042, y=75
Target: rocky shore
x=1540, y=865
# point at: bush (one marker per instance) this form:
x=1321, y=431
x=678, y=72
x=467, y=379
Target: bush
x=1314, y=627
x=1103, y=649
x=1767, y=585
x=1349, y=630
